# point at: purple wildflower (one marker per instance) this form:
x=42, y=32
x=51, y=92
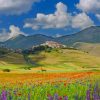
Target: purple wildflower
x=3, y=95
x=88, y=95
x=50, y=98
x=96, y=91
x=65, y=98
x=96, y=97
x=56, y=97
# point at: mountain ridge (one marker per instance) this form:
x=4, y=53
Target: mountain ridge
x=88, y=35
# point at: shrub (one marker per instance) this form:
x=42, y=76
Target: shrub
x=6, y=70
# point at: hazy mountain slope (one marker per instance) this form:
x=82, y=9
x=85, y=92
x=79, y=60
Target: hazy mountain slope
x=23, y=42
x=89, y=35
x=91, y=48
x=14, y=42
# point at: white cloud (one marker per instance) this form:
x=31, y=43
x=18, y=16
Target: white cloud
x=14, y=31
x=81, y=21
x=11, y=7
x=98, y=16
x=60, y=19
x=92, y=6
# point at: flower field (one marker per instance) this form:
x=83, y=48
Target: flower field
x=50, y=86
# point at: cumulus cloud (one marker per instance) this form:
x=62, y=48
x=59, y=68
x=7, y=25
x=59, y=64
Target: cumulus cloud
x=81, y=21
x=92, y=6
x=11, y=7
x=60, y=19
x=14, y=31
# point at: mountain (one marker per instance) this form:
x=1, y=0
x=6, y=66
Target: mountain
x=93, y=49
x=23, y=42
x=88, y=35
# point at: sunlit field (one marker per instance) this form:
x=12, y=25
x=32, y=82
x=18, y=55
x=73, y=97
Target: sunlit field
x=61, y=74
x=50, y=86
x=60, y=60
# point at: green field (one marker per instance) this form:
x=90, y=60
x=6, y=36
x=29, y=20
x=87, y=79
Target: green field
x=60, y=60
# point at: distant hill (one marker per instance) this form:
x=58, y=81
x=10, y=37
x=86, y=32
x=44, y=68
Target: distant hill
x=88, y=35
x=93, y=49
x=23, y=42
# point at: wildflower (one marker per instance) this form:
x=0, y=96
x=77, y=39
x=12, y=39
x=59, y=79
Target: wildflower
x=65, y=84
x=96, y=91
x=50, y=97
x=3, y=95
x=88, y=95
x=56, y=97
x=60, y=98
x=65, y=98
x=96, y=97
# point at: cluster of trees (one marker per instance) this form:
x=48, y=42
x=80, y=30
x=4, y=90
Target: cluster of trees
x=37, y=49
x=3, y=51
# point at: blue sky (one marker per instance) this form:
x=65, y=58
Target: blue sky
x=49, y=17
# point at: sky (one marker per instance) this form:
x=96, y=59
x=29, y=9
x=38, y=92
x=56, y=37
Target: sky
x=48, y=17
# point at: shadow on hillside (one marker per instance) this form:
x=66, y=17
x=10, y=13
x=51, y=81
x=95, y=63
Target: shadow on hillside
x=33, y=63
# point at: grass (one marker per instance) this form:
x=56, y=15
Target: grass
x=67, y=60
x=93, y=49
x=63, y=60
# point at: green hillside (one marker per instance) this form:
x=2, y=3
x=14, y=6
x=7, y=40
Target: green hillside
x=68, y=60
x=93, y=49
x=62, y=60
x=12, y=61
